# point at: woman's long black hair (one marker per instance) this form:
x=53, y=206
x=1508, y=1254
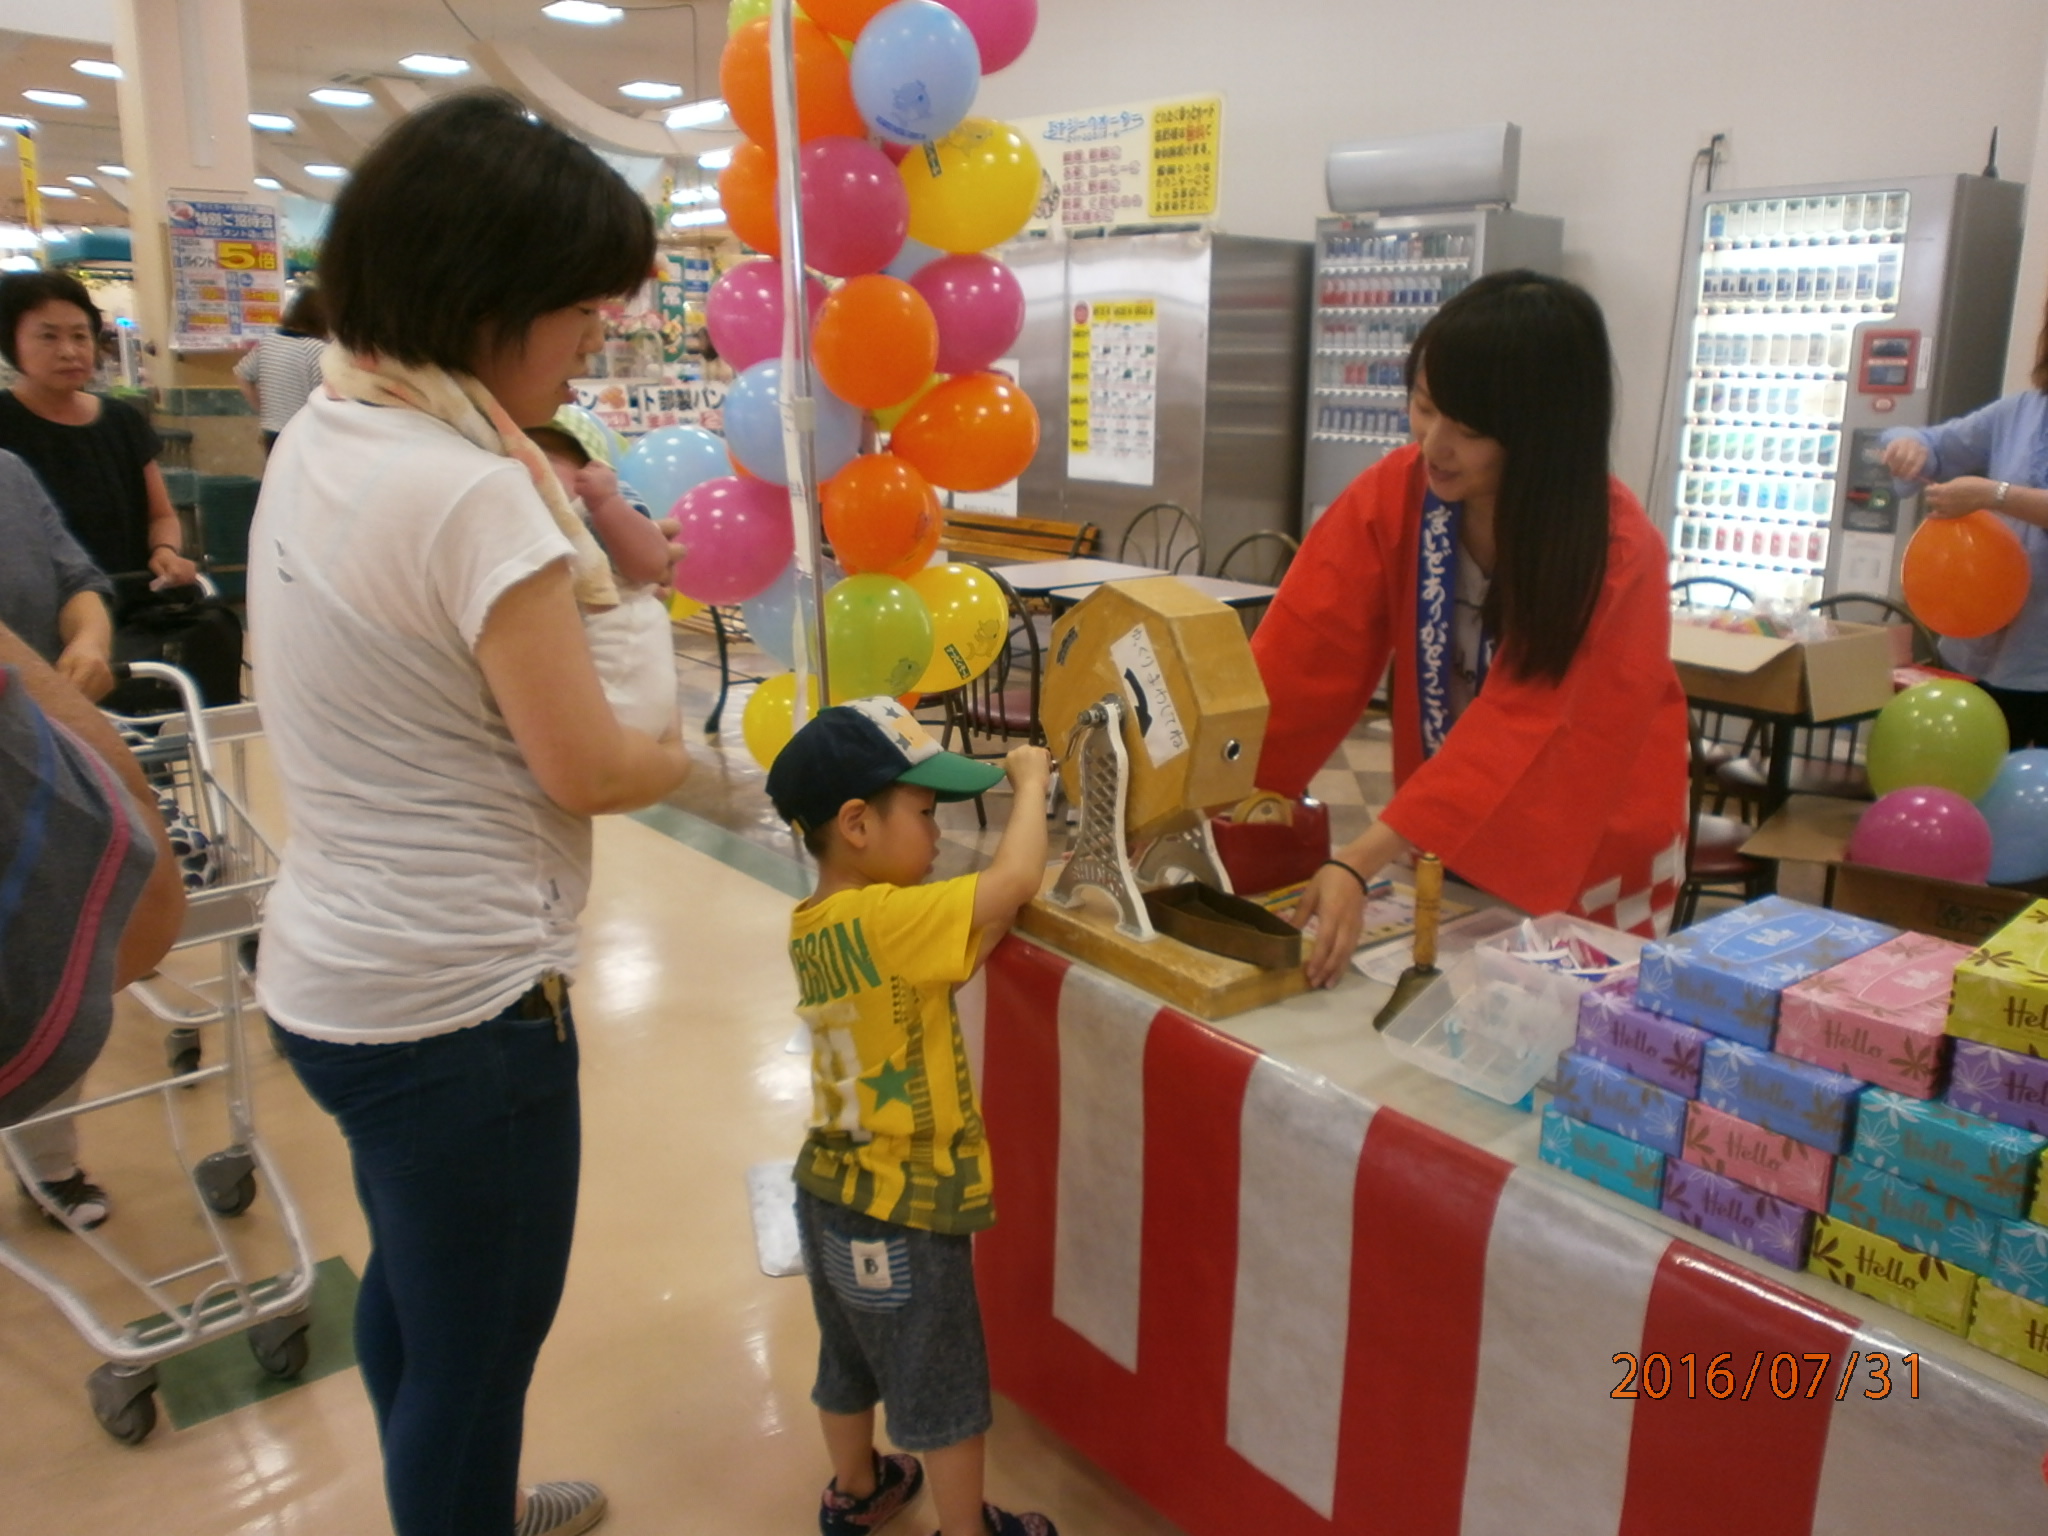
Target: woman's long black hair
x=1523, y=359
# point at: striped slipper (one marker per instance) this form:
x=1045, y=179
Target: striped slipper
x=560, y=1509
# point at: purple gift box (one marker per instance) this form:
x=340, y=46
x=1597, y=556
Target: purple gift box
x=1613, y=1029
x=1999, y=1085
x=1755, y=1222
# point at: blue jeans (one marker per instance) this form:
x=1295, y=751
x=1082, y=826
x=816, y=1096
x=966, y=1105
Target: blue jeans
x=465, y=1148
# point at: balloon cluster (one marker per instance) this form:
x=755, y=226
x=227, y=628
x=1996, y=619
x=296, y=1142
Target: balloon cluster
x=901, y=193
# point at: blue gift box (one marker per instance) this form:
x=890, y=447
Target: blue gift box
x=1725, y=974
x=2022, y=1263
x=1925, y=1220
x=1613, y=1162
x=1608, y=1097
x=1793, y=1098
x=1991, y=1166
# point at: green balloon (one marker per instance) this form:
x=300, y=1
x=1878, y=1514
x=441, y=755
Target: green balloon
x=1942, y=735
x=878, y=637
x=740, y=12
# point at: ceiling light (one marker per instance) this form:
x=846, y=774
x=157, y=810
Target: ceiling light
x=270, y=183
x=327, y=172
x=434, y=64
x=19, y=264
x=696, y=218
x=685, y=196
x=55, y=98
x=18, y=124
x=79, y=181
x=697, y=114
x=271, y=122
x=341, y=96
x=57, y=191
x=118, y=172
x=585, y=13
x=715, y=159
x=650, y=90
x=99, y=69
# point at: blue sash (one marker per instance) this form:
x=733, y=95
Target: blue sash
x=1436, y=576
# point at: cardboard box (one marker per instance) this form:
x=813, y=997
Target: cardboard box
x=1968, y=914
x=1878, y=1017
x=1762, y=1159
x=1873, y=1265
x=1981, y=1162
x=1725, y=974
x=1755, y=1222
x=1999, y=1085
x=1847, y=674
x=1663, y=1051
x=1793, y=1098
x=1629, y=1168
x=2011, y=1327
x=1925, y=1220
x=1604, y=1095
x=2022, y=1262
x=2001, y=989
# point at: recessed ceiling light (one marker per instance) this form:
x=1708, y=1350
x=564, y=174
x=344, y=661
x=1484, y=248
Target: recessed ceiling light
x=341, y=96
x=17, y=124
x=715, y=159
x=650, y=90
x=696, y=217
x=327, y=172
x=55, y=98
x=697, y=114
x=118, y=172
x=434, y=64
x=79, y=181
x=57, y=191
x=99, y=69
x=271, y=122
x=685, y=196
x=270, y=183
x=586, y=13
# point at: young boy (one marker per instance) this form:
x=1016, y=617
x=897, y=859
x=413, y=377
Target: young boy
x=893, y=1179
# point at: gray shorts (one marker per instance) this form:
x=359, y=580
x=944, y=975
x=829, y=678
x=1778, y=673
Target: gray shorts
x=898, y=1324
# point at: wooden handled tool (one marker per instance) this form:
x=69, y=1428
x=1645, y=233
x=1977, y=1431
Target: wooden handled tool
x=1429, y=895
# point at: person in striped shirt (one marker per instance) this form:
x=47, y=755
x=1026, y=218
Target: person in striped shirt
x=279, y=374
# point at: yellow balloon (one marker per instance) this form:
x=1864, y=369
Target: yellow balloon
x=769, y=719
x=972, y=189
x=887, y=417
x=681, y=608
x=740, y=12
x=970, y=622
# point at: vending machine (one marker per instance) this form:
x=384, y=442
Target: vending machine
x=1810, y=319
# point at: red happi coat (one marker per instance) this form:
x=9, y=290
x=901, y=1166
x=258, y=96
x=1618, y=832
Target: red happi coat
x=1553, y=797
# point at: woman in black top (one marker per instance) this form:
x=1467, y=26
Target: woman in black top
x=96, y=457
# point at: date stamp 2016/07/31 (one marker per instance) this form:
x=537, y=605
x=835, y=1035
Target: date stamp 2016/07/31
x=1784, y=1376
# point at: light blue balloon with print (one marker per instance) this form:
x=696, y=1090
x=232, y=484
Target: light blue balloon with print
x=912, y=259
x=753, y=426
x=915, y=71
x=670, y=462
x=768, y=613
x=2015, y=807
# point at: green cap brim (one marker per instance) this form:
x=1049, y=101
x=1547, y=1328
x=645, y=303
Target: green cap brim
x=949, y=776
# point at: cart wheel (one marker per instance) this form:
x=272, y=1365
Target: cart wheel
x=280, y=1345
x=181, y=1051
x=124, y=1403
x=227, y=1181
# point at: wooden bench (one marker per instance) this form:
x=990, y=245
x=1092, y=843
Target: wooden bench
x=988, y=536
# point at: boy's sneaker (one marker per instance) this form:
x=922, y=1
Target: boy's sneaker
x=77, y=1196
x=897, y=1481
x=1001, y=1522
x=560, y=1509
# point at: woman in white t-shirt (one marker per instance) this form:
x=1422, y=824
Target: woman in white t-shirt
x=415, y=580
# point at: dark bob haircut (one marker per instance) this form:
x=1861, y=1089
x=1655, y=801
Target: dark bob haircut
x=307, y=314
x=467, y=222
x=21, y=292
x=1523, y=358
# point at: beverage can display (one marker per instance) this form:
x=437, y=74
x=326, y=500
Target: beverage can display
x=1781, y=349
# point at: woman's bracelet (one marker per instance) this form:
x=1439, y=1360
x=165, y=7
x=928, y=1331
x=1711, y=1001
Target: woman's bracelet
x=171, y=547
x=1364, y=885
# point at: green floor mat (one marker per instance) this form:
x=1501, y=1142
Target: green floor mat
x=222, y=1376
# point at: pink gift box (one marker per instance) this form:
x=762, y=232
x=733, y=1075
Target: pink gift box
x=1880, y=1016
x=1762, y=1159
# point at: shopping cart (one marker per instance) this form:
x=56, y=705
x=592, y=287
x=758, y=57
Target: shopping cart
x=211, y=1295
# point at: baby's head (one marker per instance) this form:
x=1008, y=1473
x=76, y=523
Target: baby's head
x=561, y=451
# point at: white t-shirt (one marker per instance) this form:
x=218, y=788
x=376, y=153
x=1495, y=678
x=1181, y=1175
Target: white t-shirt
x=428, y=881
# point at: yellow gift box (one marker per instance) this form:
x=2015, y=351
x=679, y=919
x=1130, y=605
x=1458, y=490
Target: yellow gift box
x=2001, y=990
x=1885, y=1271
x=2011, y=1327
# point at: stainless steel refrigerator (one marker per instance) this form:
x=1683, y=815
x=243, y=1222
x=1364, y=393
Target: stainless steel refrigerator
x=1809, y=320
x=1377, y=281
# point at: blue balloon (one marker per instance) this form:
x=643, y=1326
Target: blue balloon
x=753, y=426
x=768, y=613
x=912, y=259
x=670, y=462
x=915, y=70
x=2015, y=807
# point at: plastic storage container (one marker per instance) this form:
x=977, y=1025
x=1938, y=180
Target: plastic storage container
x=1495, y=1023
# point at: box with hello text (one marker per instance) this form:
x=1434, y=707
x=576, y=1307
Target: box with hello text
x=1979, y=1161
x=1614, y=1028
x=1629, y=1168
x=2000, y=994
x=1923, y=1219
x=1591, y=1090
x=1999, y=1085
x=1722, y=1207
x=2011, y=1326
x=1793, y=1098
x=1880, y=1016
x=1872, y=1265
x=1762, y=1159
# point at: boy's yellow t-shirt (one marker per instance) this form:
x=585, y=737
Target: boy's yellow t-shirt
x=895, y=1130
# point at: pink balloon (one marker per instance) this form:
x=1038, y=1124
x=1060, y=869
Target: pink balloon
x=979, y=305
x=744, y=312
x=856, y=210
x=1001, y=28
x=1932, y=832
x=735, y=536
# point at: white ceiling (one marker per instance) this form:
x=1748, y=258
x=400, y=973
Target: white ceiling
x=296, y=46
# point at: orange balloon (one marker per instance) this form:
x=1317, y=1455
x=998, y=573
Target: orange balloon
x=888, y=417
x=1965, y=576
x=746, y=190
x=972, y=433
x=844, y=18
x=881, y=515
x=824, y=85
x=876, y=341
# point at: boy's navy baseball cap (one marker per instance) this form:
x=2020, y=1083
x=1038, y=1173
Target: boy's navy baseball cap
x=853, y=751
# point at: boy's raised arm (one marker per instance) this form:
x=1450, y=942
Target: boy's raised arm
x=1018, y=869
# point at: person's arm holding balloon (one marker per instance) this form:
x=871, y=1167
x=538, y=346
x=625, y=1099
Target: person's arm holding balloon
x=1951, y=462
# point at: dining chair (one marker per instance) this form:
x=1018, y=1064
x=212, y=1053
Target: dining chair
x=1001, y=705
x=1164, y=537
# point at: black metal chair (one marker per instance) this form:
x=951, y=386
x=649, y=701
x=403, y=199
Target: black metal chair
x=1714, y=860
x=1164, y=537
x=1725, y=738
x=1001, y=705
x=1262, y=557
